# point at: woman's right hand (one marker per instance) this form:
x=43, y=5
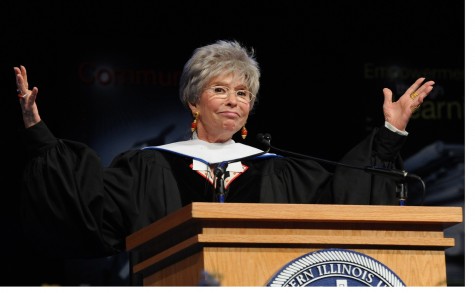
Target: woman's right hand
x=27, y=98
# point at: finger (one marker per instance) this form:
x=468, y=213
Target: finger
x=22, y=70
x=17, y=73
x=31, y=98
x=23, y=74
x=415, y=85
x=19, y=81
x=428, y=87
x=422, y=92
x=22, y=89
x=22, y=84
x=388, y=96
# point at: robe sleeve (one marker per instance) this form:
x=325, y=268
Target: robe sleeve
x=74, y=207
x=379, y=149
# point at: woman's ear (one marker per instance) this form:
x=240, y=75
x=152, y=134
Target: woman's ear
x=192, y=107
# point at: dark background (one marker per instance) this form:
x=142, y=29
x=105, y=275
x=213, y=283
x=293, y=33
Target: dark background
x=108, y=71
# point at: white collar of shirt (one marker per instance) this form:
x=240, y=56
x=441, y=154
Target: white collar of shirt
x=210, y=153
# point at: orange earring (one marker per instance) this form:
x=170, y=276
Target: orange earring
x=243, y=132
x=193, y=124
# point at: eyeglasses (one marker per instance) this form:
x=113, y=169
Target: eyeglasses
x=222, y=92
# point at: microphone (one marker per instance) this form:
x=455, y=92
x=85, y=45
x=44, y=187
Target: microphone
x=220, y=171
x=265, y=139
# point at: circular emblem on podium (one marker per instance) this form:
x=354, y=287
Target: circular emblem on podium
x=335, y=268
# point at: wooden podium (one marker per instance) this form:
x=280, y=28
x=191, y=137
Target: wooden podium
x=246, y=244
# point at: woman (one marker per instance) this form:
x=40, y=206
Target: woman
x=74, y=207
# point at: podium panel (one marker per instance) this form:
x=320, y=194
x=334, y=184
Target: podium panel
x=246, y=244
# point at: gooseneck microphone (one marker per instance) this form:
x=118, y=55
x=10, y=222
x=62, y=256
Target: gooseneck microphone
x=220, y=175
x=401, y=189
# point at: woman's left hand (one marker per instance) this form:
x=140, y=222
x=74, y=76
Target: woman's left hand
x=398, y=113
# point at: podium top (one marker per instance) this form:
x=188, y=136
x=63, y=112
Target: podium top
x=440, y=217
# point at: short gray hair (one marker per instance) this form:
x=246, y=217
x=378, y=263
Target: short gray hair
x=212, y=60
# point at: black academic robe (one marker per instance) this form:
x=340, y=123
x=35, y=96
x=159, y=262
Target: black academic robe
x=74, y=207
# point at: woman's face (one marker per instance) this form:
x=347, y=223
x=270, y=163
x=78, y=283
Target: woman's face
x=223, y=108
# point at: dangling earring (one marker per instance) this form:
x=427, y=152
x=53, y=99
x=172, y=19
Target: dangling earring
x=243, y=132
x=193, y=124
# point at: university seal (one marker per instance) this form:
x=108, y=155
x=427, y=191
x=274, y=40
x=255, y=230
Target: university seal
x=335, y=268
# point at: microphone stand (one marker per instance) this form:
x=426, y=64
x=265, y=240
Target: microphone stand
x=401, y=192
x=220, y=172
x=401, y=189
